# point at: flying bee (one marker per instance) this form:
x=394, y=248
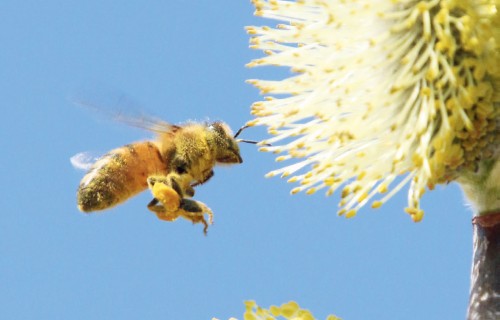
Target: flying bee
x=181, y=158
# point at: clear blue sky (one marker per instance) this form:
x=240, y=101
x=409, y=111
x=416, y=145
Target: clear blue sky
x=185, y=60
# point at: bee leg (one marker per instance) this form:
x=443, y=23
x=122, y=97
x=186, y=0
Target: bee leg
x=166, y=202
x=188, y=209
x=189, y=192
x=152, y=180
x=153, y=204
x=169, y=181
x=194, y=211
x=162, y=214
x=169, y=202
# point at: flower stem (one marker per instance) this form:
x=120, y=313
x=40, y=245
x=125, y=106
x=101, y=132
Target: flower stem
x=484, y=300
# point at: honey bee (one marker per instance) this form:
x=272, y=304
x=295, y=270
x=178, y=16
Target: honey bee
x=181, y=158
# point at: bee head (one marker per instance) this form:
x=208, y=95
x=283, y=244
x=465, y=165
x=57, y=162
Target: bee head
x=226, y=147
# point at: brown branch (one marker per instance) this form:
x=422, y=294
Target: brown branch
x=484, y=300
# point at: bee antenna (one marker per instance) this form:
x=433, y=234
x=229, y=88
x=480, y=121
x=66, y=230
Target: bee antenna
x=239, y=131
x=246, y=141
x=252, y=142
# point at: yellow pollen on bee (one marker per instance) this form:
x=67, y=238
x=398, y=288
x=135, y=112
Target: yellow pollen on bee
x=167, y=196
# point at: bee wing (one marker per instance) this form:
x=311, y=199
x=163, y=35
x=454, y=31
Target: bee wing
x=121, y=108
x=83, y=160
x=146, y=122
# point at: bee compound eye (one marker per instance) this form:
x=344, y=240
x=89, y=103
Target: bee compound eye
x=180, y=169
x=180, y=166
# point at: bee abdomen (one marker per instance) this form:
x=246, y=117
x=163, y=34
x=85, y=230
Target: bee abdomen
x=118, y=176
x=90, y=200
x=104, y=190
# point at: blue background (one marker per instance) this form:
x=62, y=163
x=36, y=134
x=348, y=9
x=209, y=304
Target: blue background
x=185, y=60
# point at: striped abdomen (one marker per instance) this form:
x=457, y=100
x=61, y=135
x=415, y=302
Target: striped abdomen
x=119, y=175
